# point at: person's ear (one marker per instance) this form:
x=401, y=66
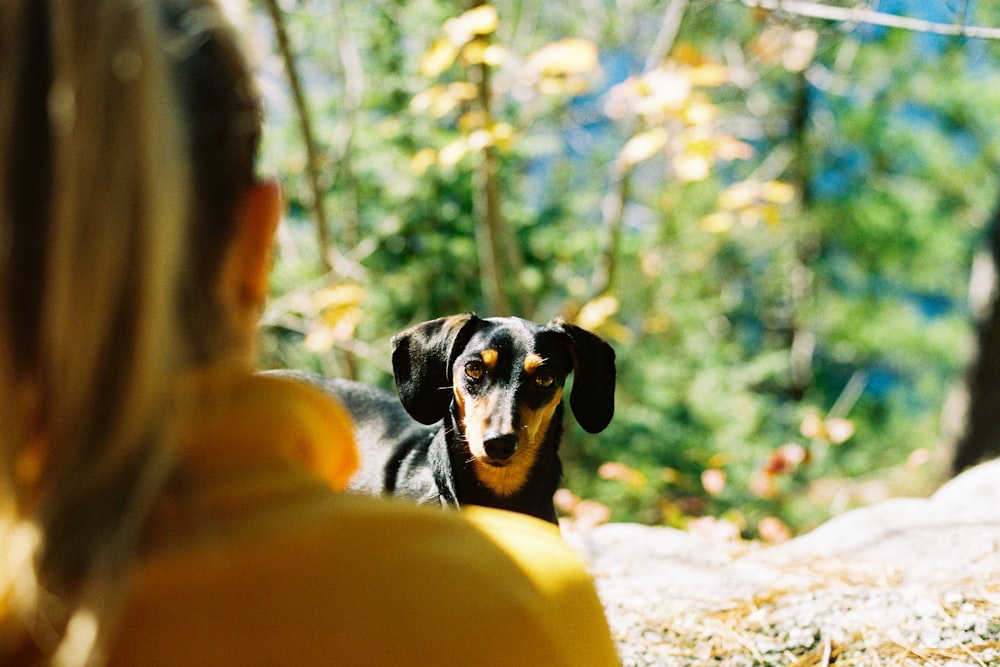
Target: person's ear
x=255, y=238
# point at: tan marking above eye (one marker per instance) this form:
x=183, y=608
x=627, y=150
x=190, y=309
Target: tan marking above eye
x=489, y=357
x=475, y=369
x=532, y=362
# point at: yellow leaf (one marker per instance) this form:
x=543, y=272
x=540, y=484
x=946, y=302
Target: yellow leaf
x=436, y=101
x=643, y=146
x=336, y=325
x=319, y=340
x=662, y=90
x=336, y=296
x=656, y=324
x=719, y=222
x=671, y=476
x=739, y=195
x=778, y=192
x=812, y=426
x=651, y=264
x=438, y=58
x=692, y=166
x=453, y=153
x=481, y=20
x=709, y=75
x=753, y=214
x=342, y=321
x=423, y=160
x=699, y=143
x=699, y=113
x=503, y=135
x=596, y=312
x=480, y=139
x=339, y=312
x=800, y=51
x=494, y=55
x=423, y=100
x=771, y=215
x=473, y=120
x=616, y=332
x=718, y=460
x=686, y=54
x=462, y=90
x=474, y=53
x=770, y=43
x=558, y=85
x=563, y=57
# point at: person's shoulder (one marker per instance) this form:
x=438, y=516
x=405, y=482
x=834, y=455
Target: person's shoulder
x=507, y=580
x=362, y=580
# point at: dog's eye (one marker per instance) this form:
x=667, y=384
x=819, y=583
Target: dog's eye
x=543, y=379
x=475, y=369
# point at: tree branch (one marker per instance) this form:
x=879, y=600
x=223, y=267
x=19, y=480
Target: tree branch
x=860, y=14
x=669, y=27
x=499, y=256
x=613, y=208
x=305, y=125
x=342, y=143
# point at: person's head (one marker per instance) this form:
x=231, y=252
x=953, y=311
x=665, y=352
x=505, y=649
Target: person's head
x=234, y=214
x=133, y=245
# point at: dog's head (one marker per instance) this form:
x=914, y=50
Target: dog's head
x=505, y=377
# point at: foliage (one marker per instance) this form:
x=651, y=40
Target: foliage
x=772, y=222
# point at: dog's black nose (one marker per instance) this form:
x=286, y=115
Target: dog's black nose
x=500, y=446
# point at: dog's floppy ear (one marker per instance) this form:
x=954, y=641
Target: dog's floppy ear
x=421, y=364
x=593, y=397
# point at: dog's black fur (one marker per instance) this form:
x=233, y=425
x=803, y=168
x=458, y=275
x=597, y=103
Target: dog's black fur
x=478, y=420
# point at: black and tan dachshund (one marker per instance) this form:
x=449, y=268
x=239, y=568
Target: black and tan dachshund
x=479, y=415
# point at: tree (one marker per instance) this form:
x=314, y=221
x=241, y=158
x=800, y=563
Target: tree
x=980, y=435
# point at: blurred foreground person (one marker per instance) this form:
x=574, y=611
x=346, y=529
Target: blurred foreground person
x=158, y=503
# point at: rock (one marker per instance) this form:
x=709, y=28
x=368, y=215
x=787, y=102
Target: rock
x=904, y=579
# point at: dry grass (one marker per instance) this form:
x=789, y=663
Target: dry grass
x=845, y=618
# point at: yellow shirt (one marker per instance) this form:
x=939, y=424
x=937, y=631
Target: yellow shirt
x=252, y=560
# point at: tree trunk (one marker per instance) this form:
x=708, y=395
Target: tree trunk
x=500, y=260
x=305, y=125
x=802, y=342
x=980, y=435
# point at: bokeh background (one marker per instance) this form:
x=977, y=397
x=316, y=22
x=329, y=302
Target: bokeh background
x=780, y=215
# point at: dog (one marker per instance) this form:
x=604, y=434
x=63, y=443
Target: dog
x=479, y=413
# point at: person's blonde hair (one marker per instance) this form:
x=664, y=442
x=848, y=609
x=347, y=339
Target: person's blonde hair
x=93, y=192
